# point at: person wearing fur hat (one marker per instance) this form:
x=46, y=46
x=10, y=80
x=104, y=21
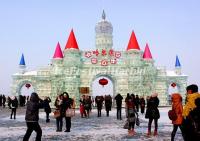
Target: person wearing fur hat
x=152, y=113
x=32, y=117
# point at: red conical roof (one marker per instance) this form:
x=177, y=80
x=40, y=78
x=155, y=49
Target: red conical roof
x=58, y=52
x=133, y=44
x=71, y=42
x=147, y=52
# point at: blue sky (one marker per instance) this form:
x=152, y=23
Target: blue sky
x=34, y=27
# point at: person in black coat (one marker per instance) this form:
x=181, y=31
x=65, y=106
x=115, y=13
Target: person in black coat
x=142, y=105
x=32, y=117
x=195, y=120
x=21, y=100
x=67, y=103
x=47, y=108
x=152, y=113
x=4, y=101
x=13, y=105
x=1, y=100
x=87, y=105
x=108, y=104
x=99, y=101
x=119, y=99
x=137, y=102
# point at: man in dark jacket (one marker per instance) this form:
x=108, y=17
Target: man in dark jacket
x=13, y=105
x=137, y=102
x=108, y=104
x=1, y=100
x=118, y=99
x=32, y=117
x=99, y=101
x=4, y=101
x=47, y=108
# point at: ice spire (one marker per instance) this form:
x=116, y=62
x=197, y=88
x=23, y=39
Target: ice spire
x=22, y=61
x=58, y=52
x=147, y=52
x=103, y=15
x=71, y=42
x=177, y=63
x=133, y=43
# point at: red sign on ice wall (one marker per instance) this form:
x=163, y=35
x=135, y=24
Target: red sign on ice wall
x=94, y=54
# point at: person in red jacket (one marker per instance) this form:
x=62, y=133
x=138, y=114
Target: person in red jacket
x=178, y=107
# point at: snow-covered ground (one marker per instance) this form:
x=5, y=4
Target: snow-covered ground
x=85, y=129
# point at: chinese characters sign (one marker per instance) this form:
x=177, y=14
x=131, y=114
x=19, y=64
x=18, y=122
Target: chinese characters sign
x=92, y=55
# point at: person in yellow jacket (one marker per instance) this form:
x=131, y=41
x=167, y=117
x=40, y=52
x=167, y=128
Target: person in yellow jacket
x=192, y=96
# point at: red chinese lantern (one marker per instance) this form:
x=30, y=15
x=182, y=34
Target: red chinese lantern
x=103, y=81
x=28, y=85
x=173, y=85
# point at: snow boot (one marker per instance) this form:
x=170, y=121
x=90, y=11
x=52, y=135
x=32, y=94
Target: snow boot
x=129, y=133
x=133, y=132
x=155, y=133
x=149, y=133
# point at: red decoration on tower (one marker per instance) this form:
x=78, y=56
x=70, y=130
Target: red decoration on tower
x=96, y=52
x=103, y=52
x=28, y=85
x=94, y=60
x=58, y=52
x=147, y=52
x=88, y=54
x=103, y=82
x=173, y=84
x=71, y=42
x=133, y=43
x=111, y=52
x=104, y=62
x=113, y=61
x=117, y=54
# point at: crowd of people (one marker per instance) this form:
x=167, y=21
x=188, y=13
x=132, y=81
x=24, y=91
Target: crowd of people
x=21, y=100
x=187, y=117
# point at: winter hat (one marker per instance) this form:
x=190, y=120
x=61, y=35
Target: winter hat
x=154, y=95
x=12, y=97
x=34, y=97
x=66, y=94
